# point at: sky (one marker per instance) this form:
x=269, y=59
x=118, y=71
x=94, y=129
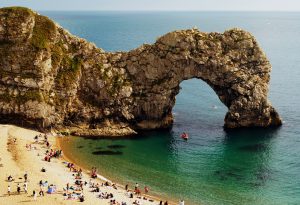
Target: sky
x=199, y=5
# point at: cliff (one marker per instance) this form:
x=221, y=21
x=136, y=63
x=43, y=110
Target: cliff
x=50, y=78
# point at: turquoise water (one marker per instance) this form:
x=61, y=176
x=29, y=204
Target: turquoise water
x=250, y=166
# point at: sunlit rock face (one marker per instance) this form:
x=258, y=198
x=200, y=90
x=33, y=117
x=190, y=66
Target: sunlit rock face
x=50, y=78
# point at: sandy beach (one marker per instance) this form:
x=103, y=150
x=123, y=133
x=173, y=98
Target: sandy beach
x=16, y=160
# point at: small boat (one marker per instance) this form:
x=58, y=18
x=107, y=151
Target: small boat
x=185, y=136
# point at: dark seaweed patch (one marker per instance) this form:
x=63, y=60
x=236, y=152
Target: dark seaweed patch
x=255, y=184
x=107, y=152
x=116, y=146
x=253, y=148
x=224, y=175
x=263, y=175
x=80, y=147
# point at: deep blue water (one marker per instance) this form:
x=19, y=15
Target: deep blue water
x=249, y=166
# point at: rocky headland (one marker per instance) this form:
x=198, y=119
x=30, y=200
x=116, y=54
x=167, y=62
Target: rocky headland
x=52, y=79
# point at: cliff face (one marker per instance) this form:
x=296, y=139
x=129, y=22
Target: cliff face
x=50, y=78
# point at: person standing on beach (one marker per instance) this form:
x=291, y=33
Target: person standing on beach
x=146, y=189
x=41, y=193
x=34, y=195
x=126, y=187
x=136, y=186
x=25, y=187
x=18, y=188
x=181, y=202
x=25, y=176
x=8, y=190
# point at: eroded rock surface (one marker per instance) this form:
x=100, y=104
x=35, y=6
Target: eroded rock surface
x=50, y=78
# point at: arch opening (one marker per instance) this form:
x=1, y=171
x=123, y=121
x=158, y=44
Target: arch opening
x=197, y=106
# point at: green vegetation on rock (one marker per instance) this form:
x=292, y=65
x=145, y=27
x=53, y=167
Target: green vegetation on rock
x=56, y=54
x=21, y=99
x=43, y=31
x=18, y=10
x=69, y=71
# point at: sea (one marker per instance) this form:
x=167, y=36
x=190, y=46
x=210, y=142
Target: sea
x=246, y=166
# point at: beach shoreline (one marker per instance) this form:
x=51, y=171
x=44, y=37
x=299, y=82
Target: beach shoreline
x=103, y=178
x=16, y=159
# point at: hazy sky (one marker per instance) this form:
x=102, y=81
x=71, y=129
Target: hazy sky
x=273, y=5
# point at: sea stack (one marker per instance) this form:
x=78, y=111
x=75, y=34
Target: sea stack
x=50, y=78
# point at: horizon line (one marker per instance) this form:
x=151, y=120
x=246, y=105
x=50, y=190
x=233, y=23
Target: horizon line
x=156, y=10
x=160, y=10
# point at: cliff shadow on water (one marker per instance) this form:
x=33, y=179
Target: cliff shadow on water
x=246, y=156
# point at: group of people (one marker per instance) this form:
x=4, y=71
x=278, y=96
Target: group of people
x=44, y=138
x=25, y=184
x=51, y=188
x=52, y=153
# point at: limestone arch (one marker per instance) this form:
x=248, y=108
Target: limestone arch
x=232, y=64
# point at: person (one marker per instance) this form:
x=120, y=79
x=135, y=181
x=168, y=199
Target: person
x=8, y=190
x=114, y=186
x=36, y=139
x=41, y=193
x=81, y=186
x=126, y=187
x=184, y=136
x=166, y=203
x=138, y=191
x=160, y=203
x=25, y=176
x=181, y=202
x=146, y=189
x=41, y=183
x=81, y=198
x=136, y=186
x=34, y=195
x=94, y=172
x=18, y=188
x=10, y=178
x=25, y=187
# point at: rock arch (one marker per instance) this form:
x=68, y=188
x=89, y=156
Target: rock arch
x=231, y=63
x=52, y=78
